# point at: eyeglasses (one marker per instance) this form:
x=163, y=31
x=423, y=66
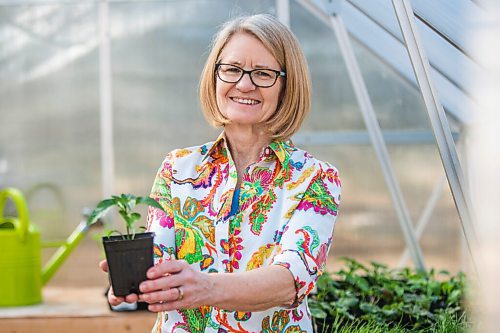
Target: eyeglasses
x=263, y=78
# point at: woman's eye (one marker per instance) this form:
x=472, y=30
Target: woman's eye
x=233, y=70
x=263, y=74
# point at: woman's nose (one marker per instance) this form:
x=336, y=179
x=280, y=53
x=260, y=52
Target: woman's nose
x=245, y=83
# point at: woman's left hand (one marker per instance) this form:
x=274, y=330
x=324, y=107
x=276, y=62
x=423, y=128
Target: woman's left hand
x=173, y=284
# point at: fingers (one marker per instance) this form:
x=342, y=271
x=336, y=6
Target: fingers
x=104, y=265
x=164, y=276
x=167, y=267
x=168, y=306
x=114, y=300
x=163, y=283
x=174, y=284
x=132, y=298
x=161, y=296
x=168, y=300
x=117, y=300
x=161, y=290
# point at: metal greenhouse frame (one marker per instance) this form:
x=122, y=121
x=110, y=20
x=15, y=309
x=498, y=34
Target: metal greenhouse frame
x=396, y=39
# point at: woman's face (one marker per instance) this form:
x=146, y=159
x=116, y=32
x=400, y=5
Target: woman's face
x=243, y=103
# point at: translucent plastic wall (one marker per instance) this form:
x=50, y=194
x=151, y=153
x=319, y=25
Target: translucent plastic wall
x=49, y=116
x=49, y=110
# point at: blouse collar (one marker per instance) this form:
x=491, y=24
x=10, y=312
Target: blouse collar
x=282, y=150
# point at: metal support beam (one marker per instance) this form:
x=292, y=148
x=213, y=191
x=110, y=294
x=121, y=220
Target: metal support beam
x=283, y=11
x=437, y=118
x=377, y=140
x=106, y=106
x=373, y=127
x=391, y=137
x=424, y=219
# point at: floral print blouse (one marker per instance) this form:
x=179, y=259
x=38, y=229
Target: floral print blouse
x=288, y=203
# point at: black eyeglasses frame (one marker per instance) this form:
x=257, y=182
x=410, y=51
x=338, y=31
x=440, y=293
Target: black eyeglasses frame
x=243, y=71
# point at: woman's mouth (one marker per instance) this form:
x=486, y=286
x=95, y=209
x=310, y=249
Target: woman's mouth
x=246, y=101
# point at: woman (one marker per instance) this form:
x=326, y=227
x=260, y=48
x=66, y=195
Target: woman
x=249, y=217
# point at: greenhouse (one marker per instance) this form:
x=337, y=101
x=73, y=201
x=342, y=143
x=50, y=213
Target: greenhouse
x=95, y=94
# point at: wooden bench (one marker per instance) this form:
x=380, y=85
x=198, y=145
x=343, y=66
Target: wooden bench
x=75, y=310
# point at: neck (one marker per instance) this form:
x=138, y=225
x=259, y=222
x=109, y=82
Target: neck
x=245, y=145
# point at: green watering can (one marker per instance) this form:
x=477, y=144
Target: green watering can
x=21, y=275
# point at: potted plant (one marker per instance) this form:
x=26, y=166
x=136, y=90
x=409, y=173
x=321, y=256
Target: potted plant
x=129, y=255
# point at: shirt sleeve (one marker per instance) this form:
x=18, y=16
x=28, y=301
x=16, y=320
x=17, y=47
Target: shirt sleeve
x=308, y=235
x=162, y=222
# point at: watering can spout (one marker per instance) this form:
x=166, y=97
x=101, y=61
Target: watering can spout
x=64, y=251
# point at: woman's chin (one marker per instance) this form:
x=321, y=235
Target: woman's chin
x=246, y=118
x=243, y=122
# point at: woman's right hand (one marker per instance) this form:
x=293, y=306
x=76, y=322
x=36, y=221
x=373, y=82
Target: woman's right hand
x=116, y=300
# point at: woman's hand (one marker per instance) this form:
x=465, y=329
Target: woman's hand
x=173, y=284
x=116, y=300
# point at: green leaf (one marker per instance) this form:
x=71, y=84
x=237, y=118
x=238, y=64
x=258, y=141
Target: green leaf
x=127, y=197
x=347, y=302
x=150, y=202
x=390, y=312
x=134, y=217
x=125, y=216
x=369, y=308
x=454, y=296
x=100, y=210
x=378, y=266
x=111, y=232
x=362, y=283
x=316, y=311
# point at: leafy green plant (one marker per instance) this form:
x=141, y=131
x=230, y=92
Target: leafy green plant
x=396, y=298
x=125, y=204
x=445, y=324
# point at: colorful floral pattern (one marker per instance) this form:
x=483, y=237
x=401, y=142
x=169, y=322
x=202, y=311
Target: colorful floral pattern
x=287, y=209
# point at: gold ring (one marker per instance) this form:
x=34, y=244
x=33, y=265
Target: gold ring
x=181, y=294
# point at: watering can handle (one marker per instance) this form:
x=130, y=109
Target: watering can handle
x=22, y=209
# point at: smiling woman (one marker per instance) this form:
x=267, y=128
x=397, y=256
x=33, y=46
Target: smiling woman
x=248, y=219
x=246, y=106
x=279, y=50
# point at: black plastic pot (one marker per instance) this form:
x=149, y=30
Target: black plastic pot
x=128, y=261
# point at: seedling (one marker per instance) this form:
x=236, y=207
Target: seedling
x=125, y=204
x=129, y=255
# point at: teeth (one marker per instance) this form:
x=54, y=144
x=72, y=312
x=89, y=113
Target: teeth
x=245, y=101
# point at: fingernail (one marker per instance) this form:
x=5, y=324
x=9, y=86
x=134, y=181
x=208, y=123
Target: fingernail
x=151, y=273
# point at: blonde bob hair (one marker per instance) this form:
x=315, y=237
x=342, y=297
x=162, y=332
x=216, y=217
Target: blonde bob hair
x=295, y=96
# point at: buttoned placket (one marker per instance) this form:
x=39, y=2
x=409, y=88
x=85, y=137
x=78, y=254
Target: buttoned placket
x=222, y=225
